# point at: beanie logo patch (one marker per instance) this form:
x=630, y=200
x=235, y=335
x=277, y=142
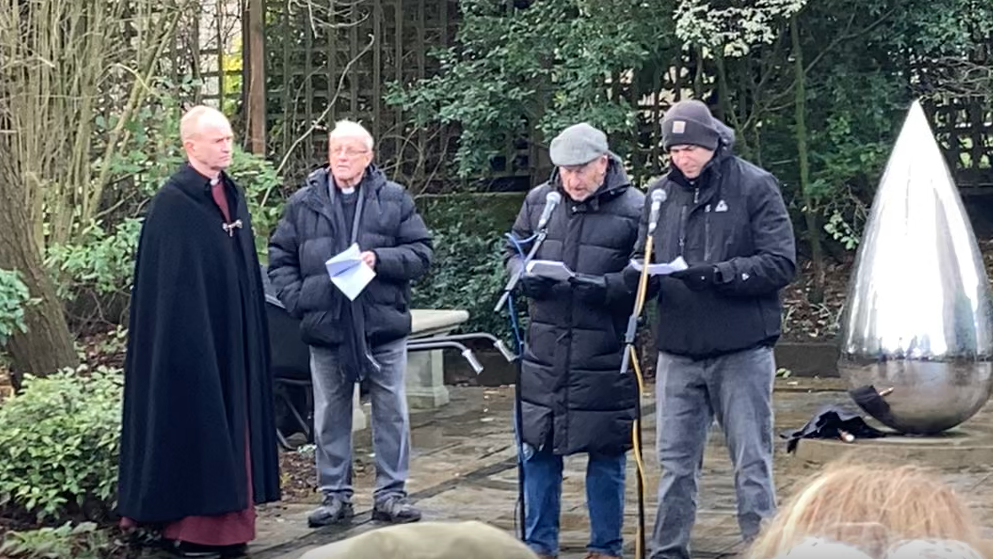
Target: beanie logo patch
x=678, y=126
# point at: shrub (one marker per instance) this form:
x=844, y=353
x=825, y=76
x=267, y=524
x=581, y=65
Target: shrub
x=13, y=296
x=84, y=541
x=467, y=269
x=94, y=275
x=59, y=443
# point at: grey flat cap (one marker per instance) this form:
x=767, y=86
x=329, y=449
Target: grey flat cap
x=578, y=145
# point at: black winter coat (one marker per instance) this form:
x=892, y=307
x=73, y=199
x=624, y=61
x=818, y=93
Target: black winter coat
x=312, y=231
x=732, y=216
x=574, y=397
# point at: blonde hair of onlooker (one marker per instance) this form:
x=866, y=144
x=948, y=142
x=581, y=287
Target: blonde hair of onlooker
x=870, y=505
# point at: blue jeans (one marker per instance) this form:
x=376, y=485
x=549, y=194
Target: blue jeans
x=333, y=392
x=604, y=496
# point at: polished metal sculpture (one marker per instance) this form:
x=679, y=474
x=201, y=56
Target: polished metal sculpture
x=917, y=330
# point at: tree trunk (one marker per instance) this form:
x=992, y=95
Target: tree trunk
x=254, y=31
x=723, y=94
x=698, y=76
x=816, y=294
x=47, y=345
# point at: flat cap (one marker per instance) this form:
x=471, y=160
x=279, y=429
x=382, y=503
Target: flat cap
x=578, y=145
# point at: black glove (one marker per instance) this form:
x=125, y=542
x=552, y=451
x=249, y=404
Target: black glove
x=592, y=290
x=537, y=287
x=631, y=278
x=697, y=278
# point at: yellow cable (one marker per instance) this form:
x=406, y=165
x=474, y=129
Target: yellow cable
x=636, y=426
x=635, y=436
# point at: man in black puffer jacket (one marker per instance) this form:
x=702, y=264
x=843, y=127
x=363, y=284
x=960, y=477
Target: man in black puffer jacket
x=718, y=319
x=350, y=201
x=574, y=398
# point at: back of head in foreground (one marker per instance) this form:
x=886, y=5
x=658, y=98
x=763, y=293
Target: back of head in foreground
x=874, y=509
x=427, y=540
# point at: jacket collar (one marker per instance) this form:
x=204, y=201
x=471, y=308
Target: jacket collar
x=192, y=182
x=187, y=176
x=373, y=180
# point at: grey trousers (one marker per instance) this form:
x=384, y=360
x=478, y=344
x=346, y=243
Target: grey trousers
x=333, y=393
x=736, y=389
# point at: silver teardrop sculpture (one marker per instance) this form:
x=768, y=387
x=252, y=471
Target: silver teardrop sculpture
x=917, y=330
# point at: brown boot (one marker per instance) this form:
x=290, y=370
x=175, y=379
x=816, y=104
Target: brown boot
x=541, y=556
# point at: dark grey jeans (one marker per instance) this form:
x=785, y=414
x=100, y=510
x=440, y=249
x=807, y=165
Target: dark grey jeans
x=736, y=389
x=333, y=392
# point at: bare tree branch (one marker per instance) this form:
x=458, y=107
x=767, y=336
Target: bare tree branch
x=331, y=103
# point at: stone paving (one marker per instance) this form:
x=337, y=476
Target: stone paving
x=463, y=467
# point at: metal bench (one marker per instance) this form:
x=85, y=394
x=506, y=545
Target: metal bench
x=291, y=363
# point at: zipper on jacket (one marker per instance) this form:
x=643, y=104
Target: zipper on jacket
x=559, y=443
x=682, y=229
x=706, y=234
x=696, y=195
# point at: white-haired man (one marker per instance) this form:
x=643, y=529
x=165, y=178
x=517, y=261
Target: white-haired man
x=350, y=201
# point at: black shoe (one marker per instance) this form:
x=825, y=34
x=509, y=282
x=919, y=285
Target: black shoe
x=198, y=551
x=396, y=510
x=234, y=551
x=333, y=510
x=192, y=550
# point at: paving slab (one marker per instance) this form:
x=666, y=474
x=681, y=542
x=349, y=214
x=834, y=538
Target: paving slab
x=463, y=467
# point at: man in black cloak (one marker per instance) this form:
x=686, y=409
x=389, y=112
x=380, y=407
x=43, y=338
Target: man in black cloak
x=198, y=446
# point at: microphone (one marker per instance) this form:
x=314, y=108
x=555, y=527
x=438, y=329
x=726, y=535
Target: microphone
x=552, y=199
x=658, y=197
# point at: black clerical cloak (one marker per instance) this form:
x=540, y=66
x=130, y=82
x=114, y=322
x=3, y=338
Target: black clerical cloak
x=197, y=365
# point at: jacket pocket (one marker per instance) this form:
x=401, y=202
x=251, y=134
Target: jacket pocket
x=313, y=295
x=402, y=301
x=770, y=317
x=537, y=421
x=312, y=329
x=720, y=231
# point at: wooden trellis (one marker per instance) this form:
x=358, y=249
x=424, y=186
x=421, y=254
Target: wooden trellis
x=964, y=128
x=330, y=59
x=207, y=40
x=319, y=73
x=337, y=60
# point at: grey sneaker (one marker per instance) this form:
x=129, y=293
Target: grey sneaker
x=333, y=510
x=396, y=510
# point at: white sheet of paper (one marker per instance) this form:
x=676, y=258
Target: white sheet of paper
x=662, y=269
x=344, y=260
x=550, y=269
x=348, y=272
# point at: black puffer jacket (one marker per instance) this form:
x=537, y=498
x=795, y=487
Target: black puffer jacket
x=574, y=397
x=732, y=216
x=311, y=232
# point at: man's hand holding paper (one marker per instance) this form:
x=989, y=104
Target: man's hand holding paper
x=350, y=271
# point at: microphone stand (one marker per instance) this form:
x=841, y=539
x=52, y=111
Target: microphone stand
x=631, y=356
x=516, y=278
x=518, y=402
